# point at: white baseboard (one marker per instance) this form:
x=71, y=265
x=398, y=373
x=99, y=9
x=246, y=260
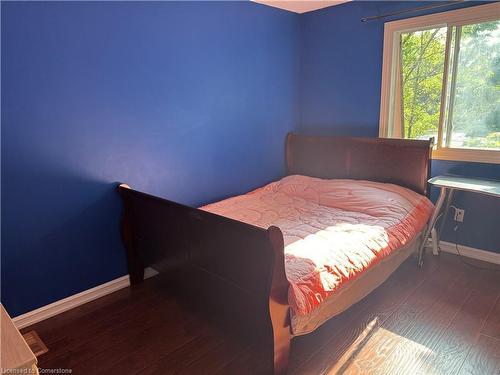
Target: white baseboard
x=75, y=300
x=470, y=252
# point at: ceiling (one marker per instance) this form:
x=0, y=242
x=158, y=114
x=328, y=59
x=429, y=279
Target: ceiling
x=300, y=6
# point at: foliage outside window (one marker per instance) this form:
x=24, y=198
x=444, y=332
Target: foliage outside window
x=445, y=83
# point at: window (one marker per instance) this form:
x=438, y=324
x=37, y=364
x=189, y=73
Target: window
x=441, y=79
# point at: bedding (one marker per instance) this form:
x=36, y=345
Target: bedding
x=353, y=290
x=334, y=230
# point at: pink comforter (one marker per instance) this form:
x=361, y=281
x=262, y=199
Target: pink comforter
x=333, y=229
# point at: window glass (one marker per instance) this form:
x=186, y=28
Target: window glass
x=473, y=118
x=422, y=69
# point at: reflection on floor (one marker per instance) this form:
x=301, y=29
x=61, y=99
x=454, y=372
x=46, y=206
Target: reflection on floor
x=442, y=319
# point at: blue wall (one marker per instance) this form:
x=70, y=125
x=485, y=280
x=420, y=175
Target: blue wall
x=190, y=101
x=341, y=67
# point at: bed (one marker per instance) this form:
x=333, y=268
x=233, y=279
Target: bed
x=283, y=259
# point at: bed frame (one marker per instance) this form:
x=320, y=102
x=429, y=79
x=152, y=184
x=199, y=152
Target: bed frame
x=240, y=267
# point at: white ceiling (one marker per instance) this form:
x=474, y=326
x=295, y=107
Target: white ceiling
x=298, y=6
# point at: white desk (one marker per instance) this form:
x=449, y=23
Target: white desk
x=447, y=186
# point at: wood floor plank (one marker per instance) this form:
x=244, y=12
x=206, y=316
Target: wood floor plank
x=420, y=322
x=59, y=326
x=85, y=339
x=108, y=330
x=215, y=359
x=108, y=360
x=450, y=351
x=180, y=359
x=481, y=275
x=492, y=326
x=484, y=358
x=247, y=362
x=185, y=346
x=95, y=356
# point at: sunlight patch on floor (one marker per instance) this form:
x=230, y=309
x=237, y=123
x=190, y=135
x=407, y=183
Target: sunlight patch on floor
x=377, y=350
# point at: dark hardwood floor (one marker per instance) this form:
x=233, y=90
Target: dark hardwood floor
x=441, y=319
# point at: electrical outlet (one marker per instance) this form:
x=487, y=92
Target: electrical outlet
x=459, y=215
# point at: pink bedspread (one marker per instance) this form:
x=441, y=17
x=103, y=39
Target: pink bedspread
x=333, y=229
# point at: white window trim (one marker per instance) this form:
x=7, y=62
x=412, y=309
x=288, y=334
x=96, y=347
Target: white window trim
x=392, y=30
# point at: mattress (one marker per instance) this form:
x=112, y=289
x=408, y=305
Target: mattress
x=334, y=232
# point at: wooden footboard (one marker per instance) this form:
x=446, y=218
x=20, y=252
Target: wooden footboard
x=236, y=267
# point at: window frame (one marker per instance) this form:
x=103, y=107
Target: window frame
x=392, y=32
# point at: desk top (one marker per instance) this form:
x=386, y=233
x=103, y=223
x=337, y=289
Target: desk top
x=476, y=185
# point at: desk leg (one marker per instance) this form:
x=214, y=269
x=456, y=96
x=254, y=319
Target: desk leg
x=430, y=225
x=449, y=198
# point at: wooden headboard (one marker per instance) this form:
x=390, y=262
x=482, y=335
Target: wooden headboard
x=404, y=162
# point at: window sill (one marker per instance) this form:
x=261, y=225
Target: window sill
x=460, y=154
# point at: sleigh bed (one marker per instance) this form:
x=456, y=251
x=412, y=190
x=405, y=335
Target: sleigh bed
x=283, y=259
